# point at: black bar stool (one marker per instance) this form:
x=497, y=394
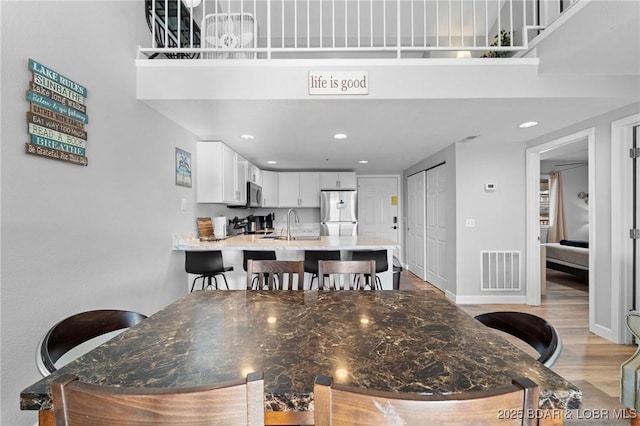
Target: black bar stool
x=311, y=258
x=382, y=264
x=257, y=255
x=206, y=264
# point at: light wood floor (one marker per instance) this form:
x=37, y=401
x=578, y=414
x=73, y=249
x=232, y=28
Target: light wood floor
x=588, y=361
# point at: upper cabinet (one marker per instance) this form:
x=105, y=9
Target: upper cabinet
x=254, y=174
x=221, y=174
x=270, y=188
x=299, y=189
x=338, y=180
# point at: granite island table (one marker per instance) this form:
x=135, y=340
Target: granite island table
x=232, y=248
x=402, y=341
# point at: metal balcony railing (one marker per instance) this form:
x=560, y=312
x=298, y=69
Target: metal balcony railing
x=265, y=29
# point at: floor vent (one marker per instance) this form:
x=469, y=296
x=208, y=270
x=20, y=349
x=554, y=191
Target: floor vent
x=500, y=270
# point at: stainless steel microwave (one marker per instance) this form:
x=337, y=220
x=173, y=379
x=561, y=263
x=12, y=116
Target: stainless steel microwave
x=254, y=195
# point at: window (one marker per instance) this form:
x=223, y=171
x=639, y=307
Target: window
x=544, y=201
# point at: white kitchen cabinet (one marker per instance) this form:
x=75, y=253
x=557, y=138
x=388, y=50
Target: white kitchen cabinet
x=338, y=180
x=241, y=165
x=309, y=189
x=270, y=188
x=254, y=174
x=299, y=189
x=221, y=174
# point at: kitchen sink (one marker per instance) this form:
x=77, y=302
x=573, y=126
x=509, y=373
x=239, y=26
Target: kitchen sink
x=307, y=237
x=284, y=237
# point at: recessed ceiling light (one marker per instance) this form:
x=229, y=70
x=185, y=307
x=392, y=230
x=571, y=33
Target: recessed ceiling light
x=363, y=161
x=272, y=162
x=247, y=137
x=339, y=136
x=528, y=124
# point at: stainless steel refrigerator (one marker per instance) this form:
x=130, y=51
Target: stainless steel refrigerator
x=338, y=213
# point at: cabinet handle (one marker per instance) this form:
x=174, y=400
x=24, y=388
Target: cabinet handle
x=337, y=184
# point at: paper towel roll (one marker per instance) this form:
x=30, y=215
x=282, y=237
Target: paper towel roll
x=220, y=226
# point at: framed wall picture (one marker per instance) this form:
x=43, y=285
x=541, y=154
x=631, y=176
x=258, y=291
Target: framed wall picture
x=183, y=168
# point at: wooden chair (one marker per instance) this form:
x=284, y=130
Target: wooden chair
x=346, y=273
x=531, y=329
x=290, y=274
x=337, y=405
x=78, y=403
x=79, y=329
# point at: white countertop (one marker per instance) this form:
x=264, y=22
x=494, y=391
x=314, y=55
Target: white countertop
x=185, y=242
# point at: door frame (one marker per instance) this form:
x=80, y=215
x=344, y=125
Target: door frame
x=621, y=222
x=399, y=188
x=533, y=214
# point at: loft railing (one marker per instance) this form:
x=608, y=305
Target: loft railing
x=265, y=29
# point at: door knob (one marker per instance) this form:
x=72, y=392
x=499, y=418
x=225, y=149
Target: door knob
x=394, y=227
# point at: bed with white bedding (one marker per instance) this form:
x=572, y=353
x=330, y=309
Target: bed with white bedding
x=568, y=258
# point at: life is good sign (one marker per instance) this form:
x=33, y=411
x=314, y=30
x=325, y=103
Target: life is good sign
x=338, y=82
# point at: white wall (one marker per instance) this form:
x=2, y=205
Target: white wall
x=499, y=215
x=576, y=210
x=77, y=238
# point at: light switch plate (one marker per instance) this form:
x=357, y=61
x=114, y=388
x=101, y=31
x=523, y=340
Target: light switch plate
x=470, y=223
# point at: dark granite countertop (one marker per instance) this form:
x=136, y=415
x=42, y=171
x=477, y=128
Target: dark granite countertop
x=407, y=341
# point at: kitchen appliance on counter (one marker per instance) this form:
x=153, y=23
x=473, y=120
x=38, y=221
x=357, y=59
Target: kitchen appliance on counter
x=338, y=213
x=252, y=224
x=266, y=222
x=237, y=226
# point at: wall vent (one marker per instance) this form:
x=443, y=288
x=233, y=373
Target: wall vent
x=500, y=270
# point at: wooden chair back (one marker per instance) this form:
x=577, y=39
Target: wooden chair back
x=347, y=274
x=78, y=403
x=78, y=329
x=337, y=405
x=290, y=274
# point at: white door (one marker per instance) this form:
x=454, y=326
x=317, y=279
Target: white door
x=416, y=219
x=436, y=227
x=378, y=208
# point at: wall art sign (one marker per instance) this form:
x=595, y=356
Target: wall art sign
x=338, y=82
x=57, y=116
x=183, y=168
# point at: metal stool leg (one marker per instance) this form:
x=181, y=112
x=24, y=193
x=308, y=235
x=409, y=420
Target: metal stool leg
x=225, y=282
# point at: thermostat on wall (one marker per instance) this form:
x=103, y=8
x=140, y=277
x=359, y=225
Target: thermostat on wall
x=489, y=186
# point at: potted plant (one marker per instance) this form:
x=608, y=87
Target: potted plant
x=502, y=39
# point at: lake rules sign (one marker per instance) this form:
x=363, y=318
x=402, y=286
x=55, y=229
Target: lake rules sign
x=56, y=117
x=338, y=82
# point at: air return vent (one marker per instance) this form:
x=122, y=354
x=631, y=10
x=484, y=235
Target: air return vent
x=500, y=270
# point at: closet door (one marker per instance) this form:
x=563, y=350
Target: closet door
x=437, y=227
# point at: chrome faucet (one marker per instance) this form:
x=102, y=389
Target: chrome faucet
x=289, y=222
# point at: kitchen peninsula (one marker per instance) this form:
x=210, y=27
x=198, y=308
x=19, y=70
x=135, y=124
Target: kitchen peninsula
x=294, y=249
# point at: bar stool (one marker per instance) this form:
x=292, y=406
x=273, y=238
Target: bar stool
x=382, y=264
x=256, y=255
x=206, y=264
x=311, y=258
